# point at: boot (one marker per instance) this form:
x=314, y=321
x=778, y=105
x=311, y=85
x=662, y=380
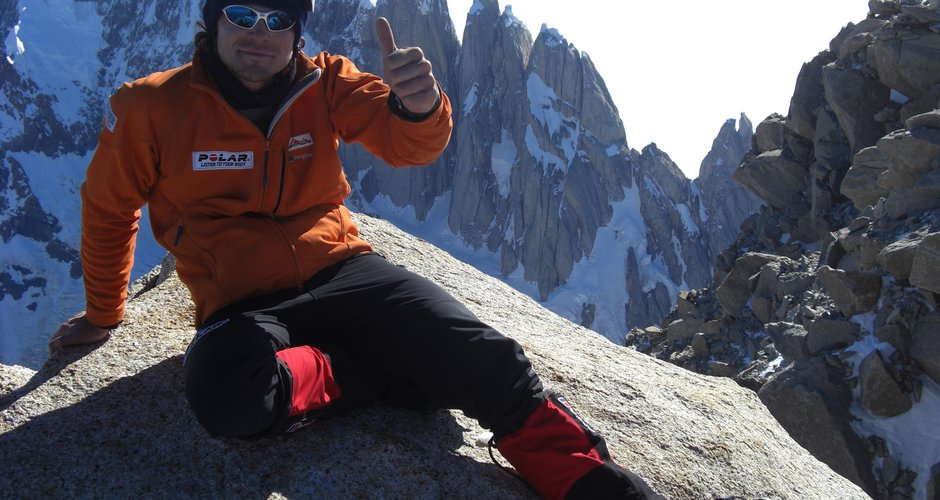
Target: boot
x=560, y=456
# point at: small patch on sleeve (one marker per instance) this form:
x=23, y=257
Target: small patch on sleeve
x=110, y=119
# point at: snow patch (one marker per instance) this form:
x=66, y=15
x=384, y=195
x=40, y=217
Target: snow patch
x=14, y=46
x=47, y=292
x=553, y=38
x=690, y=226
x=425, y=6
x=600, y=278
x=541, y=156
x=45, y=27
x=55, y=182
x=510, y=20
x=899, y=98
x=150, y=16
x=564, y=131
x=502, y=158
x=911, y=437
x=470, y=101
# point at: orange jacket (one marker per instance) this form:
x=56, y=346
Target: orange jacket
x=244, y=213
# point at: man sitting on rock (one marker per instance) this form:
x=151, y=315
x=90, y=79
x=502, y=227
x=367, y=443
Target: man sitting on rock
x=236, y=155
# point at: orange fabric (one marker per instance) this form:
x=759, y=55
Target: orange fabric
x=244, y=214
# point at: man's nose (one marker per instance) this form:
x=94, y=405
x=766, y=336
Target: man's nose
x=260, y=29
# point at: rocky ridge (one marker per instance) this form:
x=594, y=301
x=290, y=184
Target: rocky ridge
x=108, y=419
x=827, y=303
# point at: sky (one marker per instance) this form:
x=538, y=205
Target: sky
x=678, y=70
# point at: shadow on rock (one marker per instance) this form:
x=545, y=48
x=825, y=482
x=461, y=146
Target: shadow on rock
x=137, y=438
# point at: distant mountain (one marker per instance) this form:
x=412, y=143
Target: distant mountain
x=538, y=187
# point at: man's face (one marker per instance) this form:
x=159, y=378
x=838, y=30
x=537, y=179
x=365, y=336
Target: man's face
x=254, y=56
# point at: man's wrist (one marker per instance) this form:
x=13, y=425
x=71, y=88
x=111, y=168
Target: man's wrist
x=399, y=109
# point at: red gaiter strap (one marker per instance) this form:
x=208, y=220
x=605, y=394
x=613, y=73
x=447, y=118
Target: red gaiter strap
x=551, y=451
x=313, y=383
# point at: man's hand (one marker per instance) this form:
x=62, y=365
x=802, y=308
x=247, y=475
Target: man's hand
x=407, y=72
x=76, y=331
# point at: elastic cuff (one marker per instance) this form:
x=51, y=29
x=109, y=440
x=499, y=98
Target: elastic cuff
x=109, y=327
x=399, y=109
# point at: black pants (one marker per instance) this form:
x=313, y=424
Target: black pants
x=390, y=336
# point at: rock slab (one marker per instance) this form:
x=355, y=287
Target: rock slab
x=111, y=420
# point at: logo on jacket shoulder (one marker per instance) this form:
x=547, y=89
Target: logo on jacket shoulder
x=299, y=142
x=223, y=160
x=110, y=119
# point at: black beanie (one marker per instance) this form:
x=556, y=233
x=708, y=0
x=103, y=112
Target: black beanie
x=212, y=11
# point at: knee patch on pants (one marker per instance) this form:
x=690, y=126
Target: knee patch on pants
x=235, y=384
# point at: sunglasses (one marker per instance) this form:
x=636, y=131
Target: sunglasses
x=246, y=18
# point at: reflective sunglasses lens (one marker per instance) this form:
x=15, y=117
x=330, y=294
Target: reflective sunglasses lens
x=240, y=16
x=279, y=20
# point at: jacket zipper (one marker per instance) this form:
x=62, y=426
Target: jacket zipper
x=280, y=189
x=265, y=180
x=179, y=235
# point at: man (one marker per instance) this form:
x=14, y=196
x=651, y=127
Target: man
x=236, y=154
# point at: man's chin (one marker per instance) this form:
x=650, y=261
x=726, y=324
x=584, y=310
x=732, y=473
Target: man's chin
x=255, y=78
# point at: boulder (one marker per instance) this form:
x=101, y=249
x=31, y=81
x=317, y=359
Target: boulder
x=700, y=345
x=831, y=148
x=808, y=97
x=925, y=345
x=907, y=61
x=921, y=13
x=111, y=419
x=924, y=104
x=683, y=329
x=910, y=154
x=924, y=272
x=926, y=120
x=735, y=290
x=880, y=393
x=810, y=399
x=827, y=334
x=861, y=181
x=898, y=258
x=770, y=134
x=933, y=486
x=883, y=8
x=852, y=291
x=774, y=178
x=855, y=98
x=789, y=340
x=922, y=196
x=898, y=335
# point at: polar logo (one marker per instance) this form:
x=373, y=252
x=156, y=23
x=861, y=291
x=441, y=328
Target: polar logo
x=299, y=142
x=223, y=160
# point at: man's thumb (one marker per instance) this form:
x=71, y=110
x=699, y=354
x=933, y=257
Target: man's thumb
x=383, y=31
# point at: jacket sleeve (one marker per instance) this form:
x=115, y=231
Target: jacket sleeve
x=115, y=189
x=360, y=112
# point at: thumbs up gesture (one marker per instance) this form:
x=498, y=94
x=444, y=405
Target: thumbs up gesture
x=407, y=71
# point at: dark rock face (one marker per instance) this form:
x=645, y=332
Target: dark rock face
x=826, y=302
